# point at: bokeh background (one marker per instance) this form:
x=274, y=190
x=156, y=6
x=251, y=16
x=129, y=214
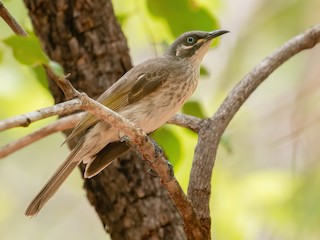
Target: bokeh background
x=266, y=178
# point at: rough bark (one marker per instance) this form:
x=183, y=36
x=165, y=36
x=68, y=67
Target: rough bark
x=85, y=38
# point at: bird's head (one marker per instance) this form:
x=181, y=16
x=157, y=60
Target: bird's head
x=193, y=45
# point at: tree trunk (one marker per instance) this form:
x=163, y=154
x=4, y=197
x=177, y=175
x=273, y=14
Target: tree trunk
x=85, y=38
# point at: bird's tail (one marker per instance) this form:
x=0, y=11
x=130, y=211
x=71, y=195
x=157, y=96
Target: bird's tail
x=54, y=182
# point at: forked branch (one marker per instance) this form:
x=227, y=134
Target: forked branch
x=212, y=129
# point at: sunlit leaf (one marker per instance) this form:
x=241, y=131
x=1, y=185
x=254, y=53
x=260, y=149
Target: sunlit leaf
x=26, y=50
x=40, y=75
x=57, y=68
x=190, y=15
x=203, y=71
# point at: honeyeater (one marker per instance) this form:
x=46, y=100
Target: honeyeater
x=148, y=95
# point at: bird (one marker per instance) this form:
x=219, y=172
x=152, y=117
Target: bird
x=148, y=95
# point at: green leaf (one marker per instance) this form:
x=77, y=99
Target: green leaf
x=193, y=108
x=169, y=142
x=41, y=75
x=204, y=71
x=26, y=50
x=56, y=68
x=190, y=16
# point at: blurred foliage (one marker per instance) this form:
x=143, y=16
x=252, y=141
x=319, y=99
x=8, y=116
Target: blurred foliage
x=193, y=108
x=26, y=50
x=188, y=11
x=266, y=174
x=41, y=75
x=204, y=71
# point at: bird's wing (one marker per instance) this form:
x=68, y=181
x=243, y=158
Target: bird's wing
x=123, y=93
x=144, y=86
x=105, y=157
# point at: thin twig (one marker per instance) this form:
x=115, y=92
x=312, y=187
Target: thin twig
x=12, y=23
x=69, y=122
x=57, y=126
x=65, y=86
x=25, y=119
x=213, y=128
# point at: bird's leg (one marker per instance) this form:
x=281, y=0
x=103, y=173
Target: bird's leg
x=158, y=152
x=122, y=137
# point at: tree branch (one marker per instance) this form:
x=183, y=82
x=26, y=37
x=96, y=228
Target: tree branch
x=157, y=161
x=25, y=119
x=213, y=128
x=183, y=120
x=12, y=23
x=59, y=125
x=187, y=121
x=68, y=90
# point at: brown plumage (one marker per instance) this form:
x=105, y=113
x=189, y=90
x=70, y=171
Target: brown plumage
x=148, y=95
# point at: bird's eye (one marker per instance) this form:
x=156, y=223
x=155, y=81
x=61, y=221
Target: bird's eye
x=190, y=40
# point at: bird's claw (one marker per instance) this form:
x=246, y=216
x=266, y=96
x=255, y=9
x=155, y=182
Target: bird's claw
x=171, y=172
x=124, y=138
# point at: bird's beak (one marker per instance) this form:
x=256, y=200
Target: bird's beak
x=215, y=34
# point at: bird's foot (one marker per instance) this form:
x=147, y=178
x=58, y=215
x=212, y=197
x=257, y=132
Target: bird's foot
x=170, y=167
x=122, y=137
